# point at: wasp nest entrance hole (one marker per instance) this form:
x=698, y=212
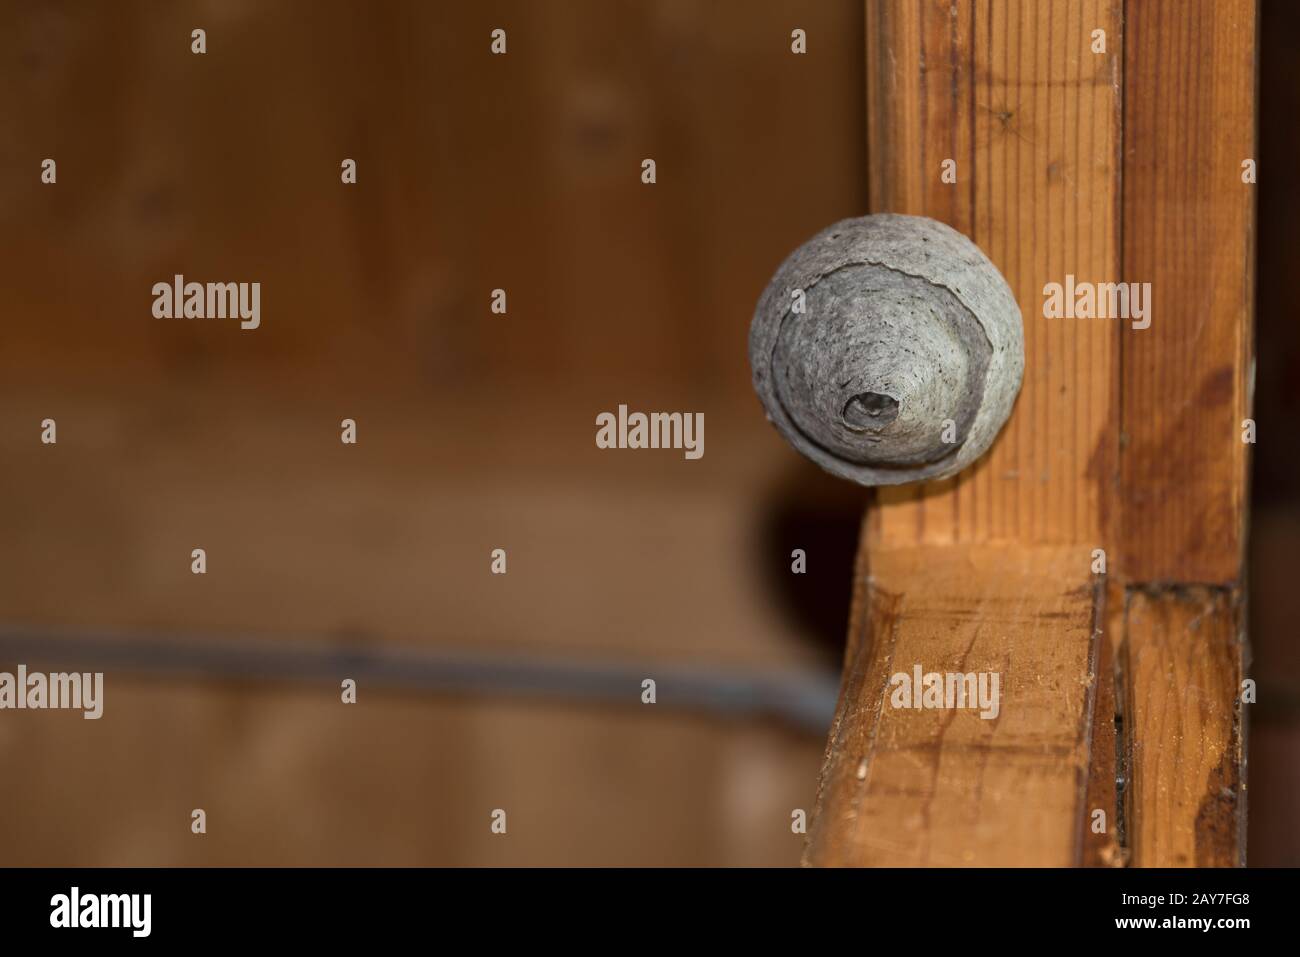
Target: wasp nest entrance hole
x=870, y=410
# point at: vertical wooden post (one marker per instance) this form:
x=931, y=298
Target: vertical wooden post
x=1189, y=126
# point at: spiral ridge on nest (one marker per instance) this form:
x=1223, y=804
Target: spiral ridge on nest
x=888, y=349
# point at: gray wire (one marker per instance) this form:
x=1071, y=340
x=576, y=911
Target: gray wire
x=804, y=698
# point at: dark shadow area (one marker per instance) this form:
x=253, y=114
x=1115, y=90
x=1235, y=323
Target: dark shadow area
x=1274, y=722
x=811, y=510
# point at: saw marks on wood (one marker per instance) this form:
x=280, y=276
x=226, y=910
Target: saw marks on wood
x=945, y=786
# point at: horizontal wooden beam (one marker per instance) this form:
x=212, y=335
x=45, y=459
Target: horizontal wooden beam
x=1001, y=785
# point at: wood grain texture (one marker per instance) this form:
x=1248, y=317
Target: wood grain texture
x=1189, y=122
x=1012, y=92
x=905, y=786
x=1123, y=439
x=996, y=563
x=1188, y=227
x=1183, y=669
x=1103, y=846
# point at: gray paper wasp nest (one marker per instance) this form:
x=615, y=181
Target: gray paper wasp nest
x=888, y=349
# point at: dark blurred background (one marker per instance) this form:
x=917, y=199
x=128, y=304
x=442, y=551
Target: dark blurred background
x=476, y=431
x=1274, y=773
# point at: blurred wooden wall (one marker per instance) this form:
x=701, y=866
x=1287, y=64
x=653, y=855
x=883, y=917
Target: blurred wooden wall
x=475, y=172
x=476, y=431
